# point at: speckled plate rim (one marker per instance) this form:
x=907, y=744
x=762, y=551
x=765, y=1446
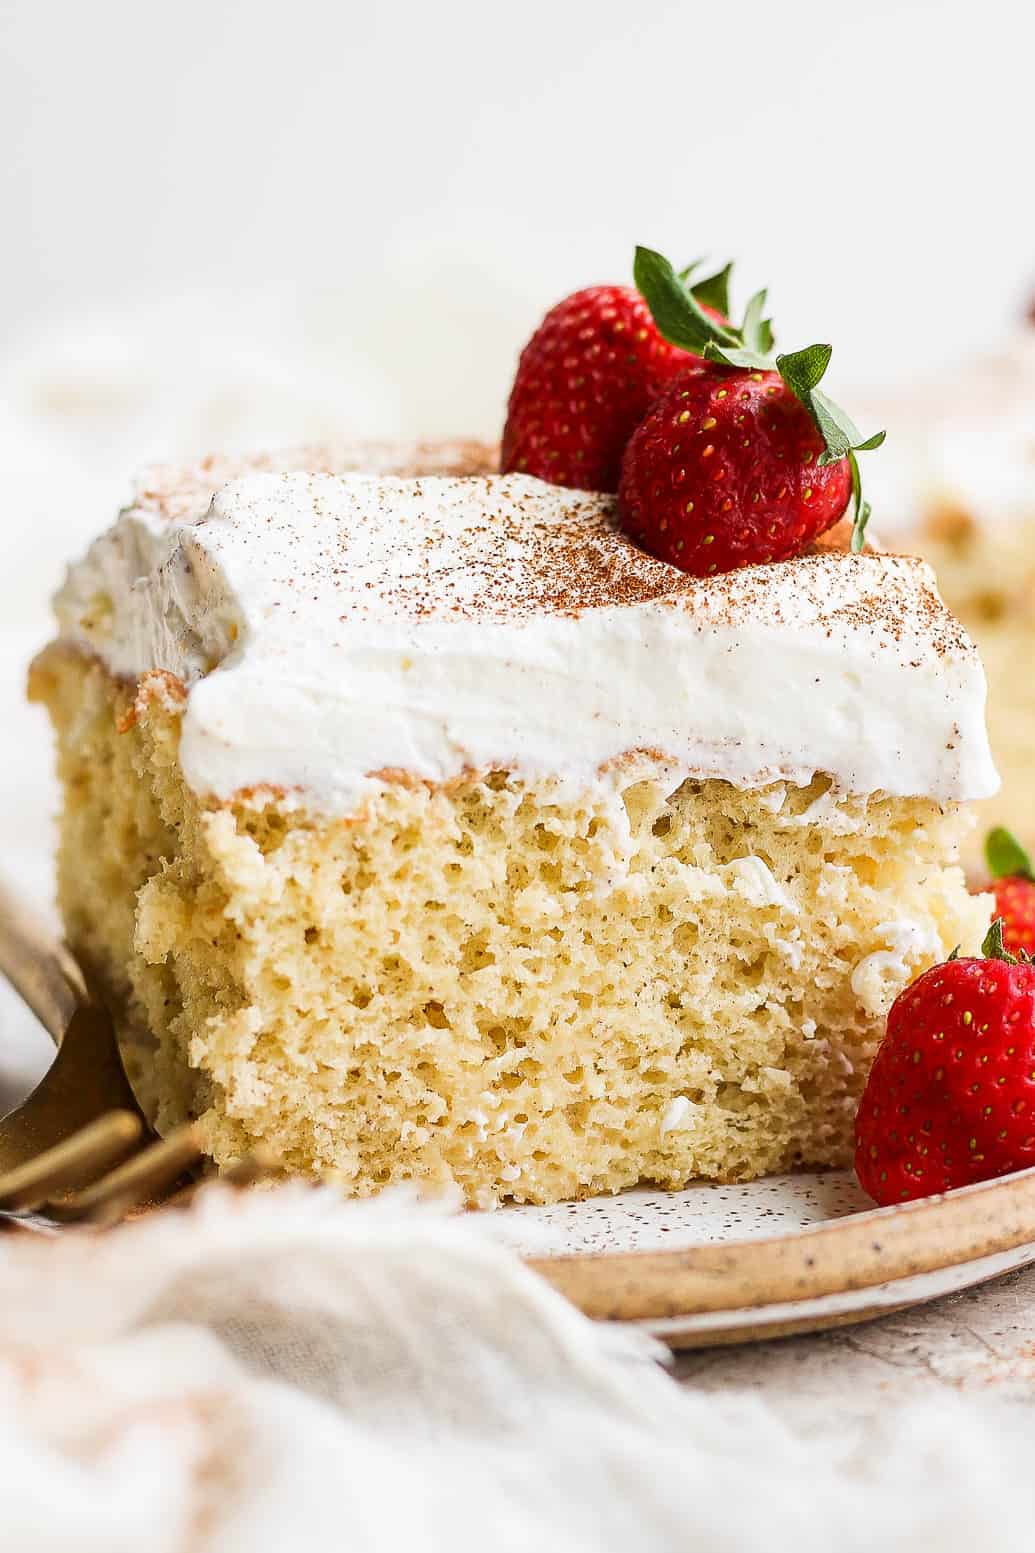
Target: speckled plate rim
x=759, y=1284
x=850, y=1308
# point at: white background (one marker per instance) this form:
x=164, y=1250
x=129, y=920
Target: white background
x=225, y=219
x=228, y=221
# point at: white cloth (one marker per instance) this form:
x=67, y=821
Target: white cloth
x=285, y=1371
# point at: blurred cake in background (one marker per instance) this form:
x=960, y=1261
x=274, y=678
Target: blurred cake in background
x=956, y=484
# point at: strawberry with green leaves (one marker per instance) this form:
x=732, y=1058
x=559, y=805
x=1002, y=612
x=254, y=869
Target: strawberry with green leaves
x=723, y=453
x=743, y=459
x=1013, y=885
x=586, y=379
x=950, y=1099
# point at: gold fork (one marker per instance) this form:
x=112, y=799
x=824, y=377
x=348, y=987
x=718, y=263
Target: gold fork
x=72, y=1150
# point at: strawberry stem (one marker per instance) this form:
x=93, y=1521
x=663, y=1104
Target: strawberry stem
x=860, y=509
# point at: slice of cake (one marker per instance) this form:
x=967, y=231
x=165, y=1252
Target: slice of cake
x=956, y=484
x=429, y=829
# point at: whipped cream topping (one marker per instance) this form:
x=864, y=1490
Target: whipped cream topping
x=965, y=443
x=335, y=632
x=181, y=493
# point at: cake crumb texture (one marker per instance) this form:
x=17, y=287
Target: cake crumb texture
x=490, y=982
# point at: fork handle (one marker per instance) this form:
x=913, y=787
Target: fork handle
x=40, y=969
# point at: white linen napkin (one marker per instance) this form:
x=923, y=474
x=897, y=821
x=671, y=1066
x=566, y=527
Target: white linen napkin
x=281, y=1370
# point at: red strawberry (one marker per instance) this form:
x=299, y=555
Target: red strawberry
x=1015, y=904
x=1013, y=885
x=951, y=1096
x=724, y=472
x=742, y=459
x=585, y=380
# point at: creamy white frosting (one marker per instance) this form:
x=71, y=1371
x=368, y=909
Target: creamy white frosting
x=879, y=976
x=334, y=629
x=965, y=442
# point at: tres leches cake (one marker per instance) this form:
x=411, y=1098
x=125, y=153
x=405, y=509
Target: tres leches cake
x=424, y=825
x=431, y=829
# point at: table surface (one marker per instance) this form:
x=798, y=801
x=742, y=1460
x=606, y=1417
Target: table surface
x=982, y=1341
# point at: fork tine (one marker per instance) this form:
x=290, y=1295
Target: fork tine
x=71, y=1163
x=140, y=1179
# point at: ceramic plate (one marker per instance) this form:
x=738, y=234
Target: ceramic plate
x=797, y=1253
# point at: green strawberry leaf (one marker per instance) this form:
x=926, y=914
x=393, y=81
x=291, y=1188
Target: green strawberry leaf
x=757, y=331
x=803, y=371
x=1005, y=856
x=676, y=312
x=714, y=291
x=993, y=947
x=734, y=356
